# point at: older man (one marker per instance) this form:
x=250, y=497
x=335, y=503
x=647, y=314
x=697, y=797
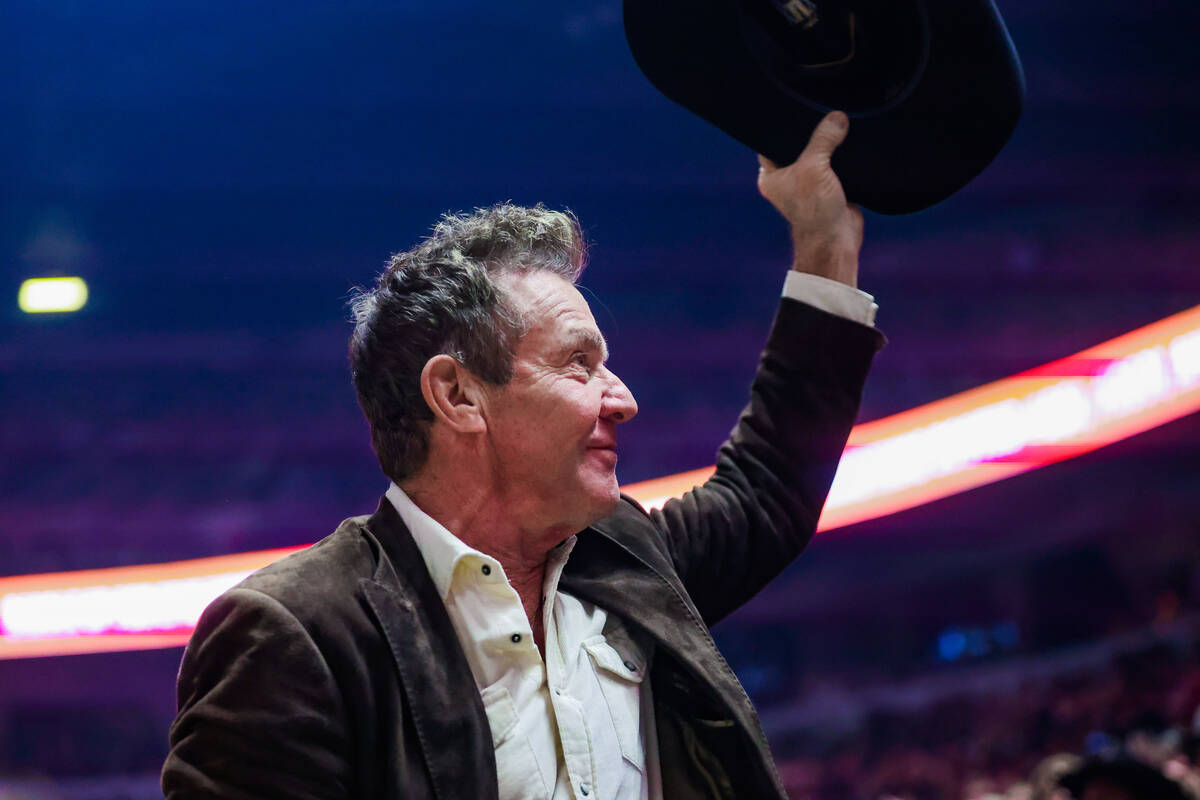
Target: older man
x=506, y=625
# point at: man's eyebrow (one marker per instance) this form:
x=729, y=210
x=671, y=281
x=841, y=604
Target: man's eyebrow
x=588, y=339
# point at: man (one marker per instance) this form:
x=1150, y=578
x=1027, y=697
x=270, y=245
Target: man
x=506, y=625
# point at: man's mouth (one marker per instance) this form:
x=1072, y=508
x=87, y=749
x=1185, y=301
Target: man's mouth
x=605, y=447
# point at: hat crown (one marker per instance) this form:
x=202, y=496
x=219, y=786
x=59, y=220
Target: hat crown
x=859, y=56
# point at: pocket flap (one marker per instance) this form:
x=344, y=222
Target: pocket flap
x=629, y=665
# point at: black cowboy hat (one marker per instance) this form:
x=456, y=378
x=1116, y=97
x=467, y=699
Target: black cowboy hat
x=933, y=87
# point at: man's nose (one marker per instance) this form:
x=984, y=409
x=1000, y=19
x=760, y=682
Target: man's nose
x=618, y=403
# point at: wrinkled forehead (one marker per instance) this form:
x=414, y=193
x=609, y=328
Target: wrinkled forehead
x=552, y=310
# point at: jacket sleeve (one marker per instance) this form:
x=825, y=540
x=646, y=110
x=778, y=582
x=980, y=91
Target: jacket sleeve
x=259, y=712
x=737, y=531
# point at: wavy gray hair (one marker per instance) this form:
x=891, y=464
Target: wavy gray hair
x=442, y=297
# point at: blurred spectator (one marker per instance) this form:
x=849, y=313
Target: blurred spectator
x=1121, y=778
x=1104, y=728
x=1044, y=782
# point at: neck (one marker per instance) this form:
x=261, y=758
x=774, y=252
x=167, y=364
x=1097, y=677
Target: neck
x=486, y=522
x=490, y=522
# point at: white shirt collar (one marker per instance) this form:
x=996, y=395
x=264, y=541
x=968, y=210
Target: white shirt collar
x=440, y=548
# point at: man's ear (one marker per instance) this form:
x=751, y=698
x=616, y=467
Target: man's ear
x=453, y=394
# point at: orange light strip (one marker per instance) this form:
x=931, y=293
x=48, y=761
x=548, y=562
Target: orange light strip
x=1109, y=392
x=1063, y=409
x=122, y=608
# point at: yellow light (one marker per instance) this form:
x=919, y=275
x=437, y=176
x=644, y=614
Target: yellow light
x=43, y=295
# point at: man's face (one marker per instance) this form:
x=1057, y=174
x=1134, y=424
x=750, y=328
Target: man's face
x=552, y=430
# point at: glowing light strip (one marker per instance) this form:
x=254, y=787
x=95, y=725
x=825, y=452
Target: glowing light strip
x=1119, y=388
x=123, y=608
x=1109, y=392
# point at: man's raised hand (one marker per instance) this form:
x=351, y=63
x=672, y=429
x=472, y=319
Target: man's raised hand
x=827, y=232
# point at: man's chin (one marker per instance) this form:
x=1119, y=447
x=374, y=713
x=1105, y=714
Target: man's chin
x=611, y=502
x=604, y=503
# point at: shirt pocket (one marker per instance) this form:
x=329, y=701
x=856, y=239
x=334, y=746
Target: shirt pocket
x=620, y=674
x=516, y=768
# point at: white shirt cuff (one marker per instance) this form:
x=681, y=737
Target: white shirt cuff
x=831, y=296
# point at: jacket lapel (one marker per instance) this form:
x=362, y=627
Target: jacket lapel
x=650, y=596
x=447, y=710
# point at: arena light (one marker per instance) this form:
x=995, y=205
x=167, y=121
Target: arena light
x=123, y=608
x=52, y=295
x=1123, y=387
x=1109, y=392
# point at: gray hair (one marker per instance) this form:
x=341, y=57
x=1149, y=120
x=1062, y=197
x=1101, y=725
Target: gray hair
x=443, y=297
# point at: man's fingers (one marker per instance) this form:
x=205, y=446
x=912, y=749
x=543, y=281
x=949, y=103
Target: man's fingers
x=829, y=133
x=766, y=164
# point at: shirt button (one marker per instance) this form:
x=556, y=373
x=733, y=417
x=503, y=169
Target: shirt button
x=485, y=569
x=584, y=788
x=516, y=638
x=632, y=667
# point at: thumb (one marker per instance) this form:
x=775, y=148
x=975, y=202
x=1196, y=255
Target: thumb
x=829, y=133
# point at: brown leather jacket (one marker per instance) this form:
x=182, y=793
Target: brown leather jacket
x=335, y=672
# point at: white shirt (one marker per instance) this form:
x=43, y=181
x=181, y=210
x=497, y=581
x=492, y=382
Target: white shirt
x=577, y=725
x=571, y=726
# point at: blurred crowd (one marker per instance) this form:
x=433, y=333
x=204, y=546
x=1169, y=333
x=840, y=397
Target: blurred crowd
x=1122, y=727
x=1127, y=731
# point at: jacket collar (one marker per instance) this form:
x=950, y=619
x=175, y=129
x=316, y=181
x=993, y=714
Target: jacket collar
x=451, y=723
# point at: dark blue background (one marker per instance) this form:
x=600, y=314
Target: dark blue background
x=223, y=174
